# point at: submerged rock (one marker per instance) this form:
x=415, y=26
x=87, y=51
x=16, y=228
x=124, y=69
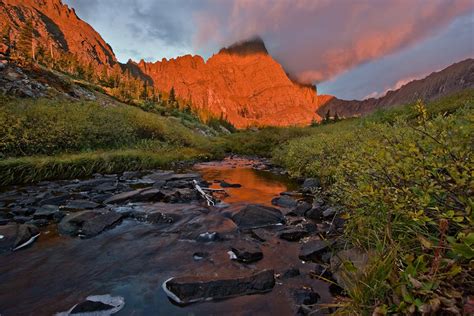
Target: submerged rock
x=186, y=290
x=96, y=305
x=225, y=184
x=305, y=296
x=255, y=216
x=15, y=236
x=88, y=223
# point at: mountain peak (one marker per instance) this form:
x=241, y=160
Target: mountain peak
x=254, y=45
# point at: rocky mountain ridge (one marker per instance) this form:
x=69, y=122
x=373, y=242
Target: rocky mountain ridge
x=454, y=78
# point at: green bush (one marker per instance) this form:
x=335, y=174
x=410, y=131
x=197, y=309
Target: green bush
x=406, y=182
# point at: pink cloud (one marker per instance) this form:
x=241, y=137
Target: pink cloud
x=317, y=40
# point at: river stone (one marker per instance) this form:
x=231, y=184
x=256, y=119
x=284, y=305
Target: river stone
x=81, y=205
x=15, y=236
x=255, y=216
x=124, y=196
x=314, y=214
x=301, y=209
x=284, y=201
x=293, y=234
x=314, y=249
x=246, y=252
x=47, y=212
x=88, y=223
x=186, y=290
x=225, y=184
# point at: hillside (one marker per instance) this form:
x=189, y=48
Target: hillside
x=456, y=77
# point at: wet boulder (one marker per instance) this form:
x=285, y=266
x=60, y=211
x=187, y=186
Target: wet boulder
x=313, y=250
x=88, y=223
x=284, y=201
x=255, y=216
x=15, y=236
x=97, y=305
x=187, y=290
x=246, y=252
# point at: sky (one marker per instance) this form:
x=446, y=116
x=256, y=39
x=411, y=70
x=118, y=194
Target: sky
x=349, y=48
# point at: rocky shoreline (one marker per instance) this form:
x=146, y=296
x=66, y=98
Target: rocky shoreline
x=170, y=202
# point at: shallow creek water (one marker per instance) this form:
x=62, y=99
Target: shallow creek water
x=133, y=259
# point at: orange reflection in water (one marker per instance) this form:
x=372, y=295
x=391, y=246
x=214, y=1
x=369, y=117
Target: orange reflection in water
x=257, y=186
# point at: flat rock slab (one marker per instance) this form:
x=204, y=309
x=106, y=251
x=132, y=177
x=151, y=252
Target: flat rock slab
x=293, y=234
x=255, y=216
x=15, y=236
x=314, y=249
x=246, y=252
x=187, y=290
x=81, y=205
x=88, y=223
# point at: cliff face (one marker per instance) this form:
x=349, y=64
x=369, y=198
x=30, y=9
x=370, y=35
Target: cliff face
x=57, y=28
x=242, y=82
x=454, y=78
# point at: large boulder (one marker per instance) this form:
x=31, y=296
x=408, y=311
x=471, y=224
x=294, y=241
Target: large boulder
x=186, y=290
x=88, y=223
x=14, y=236
x=255, y=216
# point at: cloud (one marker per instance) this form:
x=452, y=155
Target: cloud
x=317, y=40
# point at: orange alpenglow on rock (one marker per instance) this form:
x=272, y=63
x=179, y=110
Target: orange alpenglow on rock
x=241, y=83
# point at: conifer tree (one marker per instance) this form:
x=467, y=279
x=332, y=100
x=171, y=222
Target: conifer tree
x=25, y=46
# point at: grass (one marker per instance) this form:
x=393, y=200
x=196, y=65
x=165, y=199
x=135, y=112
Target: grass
x=59, y=139
x=70, y=166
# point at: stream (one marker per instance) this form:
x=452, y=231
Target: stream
x=164, y=230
